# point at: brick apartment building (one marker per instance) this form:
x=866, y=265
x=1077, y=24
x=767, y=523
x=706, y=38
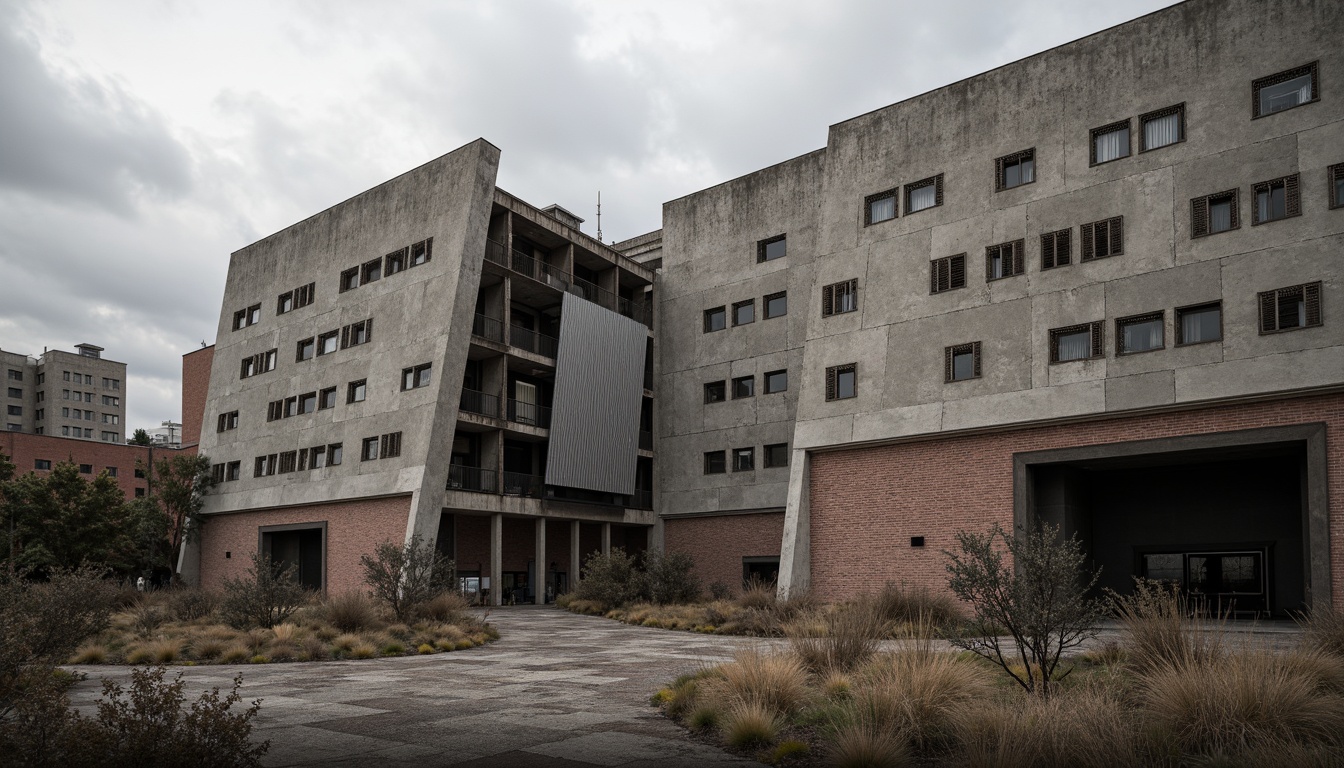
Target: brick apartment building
x=1150, y=357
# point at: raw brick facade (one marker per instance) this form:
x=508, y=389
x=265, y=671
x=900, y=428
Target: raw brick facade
x=25, y=449
x=867, y=503
x=718, y=544
x=195, y=388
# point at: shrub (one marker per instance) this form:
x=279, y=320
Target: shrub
x=1324, y=629
x=1082, y=728
x=266, y=596
x=92, y=653
x=313, y=649
x=425, y=648
x=285, y=633
x=611, y=580
x=850, y=637
x=668, y=578
x=901, y=604
x=448, y=607
x=1157, y=621
x=703, y=717
x=189, y=604
x=751, y=724
x=345, y=642
x=146, y=618
x=719, y=591
x=235, y=653
x=260, y=658
x=350, y=611
x=787, y=749
x=863, y=746
x=138, y=654
x=774, y=680
x=362, y=651
x=918, y=694
x=758, y=593
x=393, y=648
x=164, y=651
x=408, y=576
x=206, y=647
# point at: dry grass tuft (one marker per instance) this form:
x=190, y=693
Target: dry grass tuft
x=139, y=654
x=865, y=746
x=1324, y=630
x=285, y=633
x=351, y=612
x=902, y=604
x=1160, y=629
x=362, y=651
x=749, y=724
x=345, y=643
x=850, y=637
x=758, y=593
x=919, y=693
x=1086, y=728
x=445, y=607
x=91, y=653
x=313, y=648
x=837, y=685
x=235, y=653
x=774, y=680
x=165, y=651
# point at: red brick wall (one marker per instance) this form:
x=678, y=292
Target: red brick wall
x=195, y=388
x=866, y=503
x=473, y=543
x=354, y=528
x=718, y=544
x=24, y=449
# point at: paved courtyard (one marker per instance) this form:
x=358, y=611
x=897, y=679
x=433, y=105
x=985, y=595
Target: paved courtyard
x=556, y=690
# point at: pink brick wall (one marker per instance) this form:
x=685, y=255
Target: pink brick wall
x=718, y=544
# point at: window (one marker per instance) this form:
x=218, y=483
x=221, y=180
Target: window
x=306, y=349
x=356, y=391
x=1055, y=248
x=368, y=450
x=65, y=375
x=744, y=312
x=744, y=459
x=14, y=375
x=110, y=437
x=334, y=453
x=303, y=295
x=841, y=381
x=41, y=413
x=140, y=473
x=394, y=262
x=308, y=402
x=327, y=342
x=283, y=304
x=258, y=363
x=1110, y=142
x=289, y=461
x=111, y=383
x=326, y=398
x=291, y=406
x=15, y=392
x=139, y=493
x=1076, y=342
x=86, y=469
x=42, y=379
x=715, y=463
x=349, y=279
x=1103, y=238
x=961, y=362
x=776, y=381
x=1015, y=170
x=771, y=248
x=65, y=394
x=1336, y=182
x=264, y=466
x=12, y=427
x=1005, y=260
x=1140, y=333
x=744, y=386
x=925, y=193
x=232, y=470
x=1285, y=90
x=355, y=334
x=371, y=271
x=241, y=319
x=880, y=207
x=1198, y=324
x=838, y=298
x=227, y=421
x=42, y=464
x=111, y=418
x=421, y=252
x=318, y=457
x=111, y=401
x=389, y=445
x=775, y=305
x=947, y=273
x=414, y=378
x=112, y=471
x=88, y=397
x=217, y=473
x=1162, y=128
x=1276, y=199
x=715, y=319
x=1285, y=309
x=1215, y=213
x=715, y=392
x=41, y=396
x=88, y=379
x=775, y=455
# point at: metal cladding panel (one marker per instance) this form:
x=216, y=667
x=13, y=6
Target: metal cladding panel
x=599, y=382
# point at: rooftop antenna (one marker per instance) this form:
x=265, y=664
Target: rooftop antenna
x=599, y=215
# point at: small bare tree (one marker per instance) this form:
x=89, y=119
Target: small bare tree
x=409, y=576
x=1041, y=600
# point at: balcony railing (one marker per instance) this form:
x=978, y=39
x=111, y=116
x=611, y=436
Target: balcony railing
x=641, y=499
x=480, y=403
x=522, y=484
x=462, y=478
x=645, y=440
x=487, y=328
x=531, y=414
x=536, y=343
x=548, y=274
x=496, y=252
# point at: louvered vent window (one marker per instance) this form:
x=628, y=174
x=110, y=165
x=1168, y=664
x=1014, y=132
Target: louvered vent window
x=1103, y=238
x=1276, y=199
x=1056, y=248
x=1286, y=309
x=947, y=273
x=1076, y=342
x=1005, y=260
x=1336, y=181
x=838, y=298
x=961, y=362
x=841, y=381
x=1215, y=213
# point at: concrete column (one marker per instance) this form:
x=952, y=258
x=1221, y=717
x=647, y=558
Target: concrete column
x=575, y=553
x=539, y=570
x=606, y=538
x=795, y=552
x=496, y=558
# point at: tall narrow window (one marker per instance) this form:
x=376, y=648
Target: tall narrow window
x=838, y=298
x=1285, y=90
x=947, y=273
x=1015, y=170
x=1200, y=323
x=925, y=193
x=1103, y=238
x=1335, y=176
x=349, y=279
x=744, y=459
x=1076, y=342
x=1276, y=199
x=961, y=362
x=283, y=304
x=841, y=381
x=1140, y=333
x=1215, y=213
x=1286, y=309
x=394, y=262
x=1056, y=248
x=371, y=271
x=1163, y=127
x=1004, y=260
x=880, y=207
x=422, y=251
x=368, y=450
x=772, y=248
x=1110, y=142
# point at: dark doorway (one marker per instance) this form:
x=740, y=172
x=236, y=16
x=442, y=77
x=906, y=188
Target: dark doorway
x=760, y=570
x=300, y=547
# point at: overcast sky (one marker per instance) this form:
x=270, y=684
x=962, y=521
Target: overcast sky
x=143, y=141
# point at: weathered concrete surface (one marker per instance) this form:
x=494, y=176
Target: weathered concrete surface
x=556, y=690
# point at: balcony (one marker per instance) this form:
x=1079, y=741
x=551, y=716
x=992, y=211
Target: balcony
x=529, y=414
x=479, y=403
x=522, y=484
x=536, y=343
x=487, y=328
x=462, y=478
x=641, y=499
x=645, y=441
x=559, y=279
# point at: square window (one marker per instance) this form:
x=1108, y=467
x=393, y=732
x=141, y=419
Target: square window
x=1285, y=90
x=922, y=194
x=1276, y=199
x=1005, y=260
x=327, y=342
x=715, y=463
x=355, y=334
x=771, y=248
x=368, y=450
x=744, y=386
x=1140, y=333
x=776, y=381
x=307, y=348
x=715, y=392
x=308, y=402
x=349, y=279
x=86, y=469
x=744, y=459
x=838, y=298
x=1162, y=128
x=394, y=262
x=961, y=362
x=15, y=392
x=1215, y=213
x=715, y=319
x=356, y=391
x=1110, y=142
x=842, y=381
x=776, y=305
x=284, y=303
x=775, y=455
x=1076, y=342
x=1198, y=324
x=1103, y=238
x=1286, y=309
x=326, y=398
x=389, y=445
x=1015, y=170
x=744, y=312
x=880, y=207
x=422, y=251
x=947, y=273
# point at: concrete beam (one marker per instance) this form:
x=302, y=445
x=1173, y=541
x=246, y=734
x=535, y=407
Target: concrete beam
x=606, y=538
x=575, y=553
x=496, y=559
x=795, y=552
x=539, y=569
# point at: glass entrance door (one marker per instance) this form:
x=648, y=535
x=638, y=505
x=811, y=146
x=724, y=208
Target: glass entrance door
x=1220, y=582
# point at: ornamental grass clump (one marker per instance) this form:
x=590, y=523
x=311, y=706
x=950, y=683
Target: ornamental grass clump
x=774, y=680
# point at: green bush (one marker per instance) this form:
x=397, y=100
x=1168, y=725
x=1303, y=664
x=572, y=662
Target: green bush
x=610, y=580
x=190, y=603
x=668, y=578
x=266, y=596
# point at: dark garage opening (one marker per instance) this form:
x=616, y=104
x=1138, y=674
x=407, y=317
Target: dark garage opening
x=301, y=547
x=1229, y=525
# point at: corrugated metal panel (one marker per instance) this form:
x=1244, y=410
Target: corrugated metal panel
x=599, y=382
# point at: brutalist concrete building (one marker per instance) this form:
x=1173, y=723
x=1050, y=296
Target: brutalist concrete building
x=1097, y=287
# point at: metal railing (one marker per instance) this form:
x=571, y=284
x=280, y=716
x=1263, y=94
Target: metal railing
x=531, y=414
x=463, y=478
x=645, y=440
x=536, y=343
x=487, y=328
x=479, y=403
x=529, y=266
x=641, y=499
x=496, y=252
x=522, y=484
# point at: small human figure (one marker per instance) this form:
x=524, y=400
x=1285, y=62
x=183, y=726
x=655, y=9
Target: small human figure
x=140, y=584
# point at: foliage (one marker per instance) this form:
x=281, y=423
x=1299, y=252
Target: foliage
x=1324, y=629
x=850, y=638
x=1042, y=603
x=407, y=577
x=902, y=604
x=178, y=484
x=350, y=611
x=1157, y=617
x=140, y=437
x=668, y=578
x=191, y=604
x=611, y=580
x=266, y=596
x=61, y=520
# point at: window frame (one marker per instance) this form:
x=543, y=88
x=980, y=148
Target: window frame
x=281, y=307
x=326, y=398
x=421, y=253
x=766, y=450
x=1311, y=297
x=305, y=400
x=1146, y=317
x=1001, y=169
x=349, y=280
x=397, y=259
x=333, y=336
x=720, y=386
x=765, y=382
x=310, y=344
x=1201, y=215
x=1158, y=114
x=1333, y=176
x=1016, y=260
x=770, y=297
x=1115, y=238
x=763, y=247
x=740, y=381
x=740, y=305
x=935, y=181
x=371, y=271
x=1292, y=198
x=950, y=354
x=894, y=193
x=1177, y=314
x=833, y=374
x=749, y=465
x=1126, y=124
x=1312, y=68
x=412, y=375
x=360, y=385
x=715, y=463
x=709, y=313
x=1054, y=239
x=955, y=264
x=1097, y=340
x=831, y=293
x=368, y=449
